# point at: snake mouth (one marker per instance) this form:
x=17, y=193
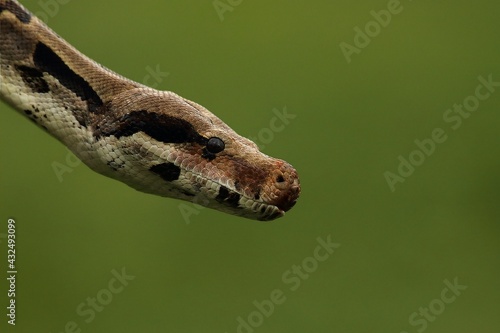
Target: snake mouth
x=263, y=210
x=220, y=195
x=279, y=210
x=260, y=210
x=243, y=205
x=275, y=211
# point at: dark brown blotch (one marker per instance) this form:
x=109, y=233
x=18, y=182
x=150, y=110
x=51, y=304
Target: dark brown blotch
x=229, y=197
x=33, y=79
x=167, y=171
x=46, y=60
x=17, y=10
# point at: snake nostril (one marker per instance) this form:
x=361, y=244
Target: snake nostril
x=280, y=179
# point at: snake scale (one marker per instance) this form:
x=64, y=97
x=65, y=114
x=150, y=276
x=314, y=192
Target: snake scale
x=154, y=141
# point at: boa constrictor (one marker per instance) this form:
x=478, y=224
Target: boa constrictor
x=154, y=141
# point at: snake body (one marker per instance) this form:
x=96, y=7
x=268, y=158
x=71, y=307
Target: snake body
x=154, y=141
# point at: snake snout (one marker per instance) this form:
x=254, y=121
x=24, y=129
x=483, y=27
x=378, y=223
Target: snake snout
x=286, y=187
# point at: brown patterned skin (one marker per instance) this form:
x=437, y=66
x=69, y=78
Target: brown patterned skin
x=154, y=141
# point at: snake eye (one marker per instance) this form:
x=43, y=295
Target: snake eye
x=215, y=145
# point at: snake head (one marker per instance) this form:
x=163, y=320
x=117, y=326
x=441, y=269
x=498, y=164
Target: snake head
x=155, y=141
x=161, y=143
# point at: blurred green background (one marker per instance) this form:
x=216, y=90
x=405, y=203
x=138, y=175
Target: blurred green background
x=352, y=122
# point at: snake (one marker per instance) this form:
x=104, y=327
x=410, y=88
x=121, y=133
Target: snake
x=154, y=141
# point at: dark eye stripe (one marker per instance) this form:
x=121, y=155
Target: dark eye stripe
x=160, y=127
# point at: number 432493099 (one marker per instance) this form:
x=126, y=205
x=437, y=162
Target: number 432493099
x=11, y=253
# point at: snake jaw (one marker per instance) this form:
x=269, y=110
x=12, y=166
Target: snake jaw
x=265, y=201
